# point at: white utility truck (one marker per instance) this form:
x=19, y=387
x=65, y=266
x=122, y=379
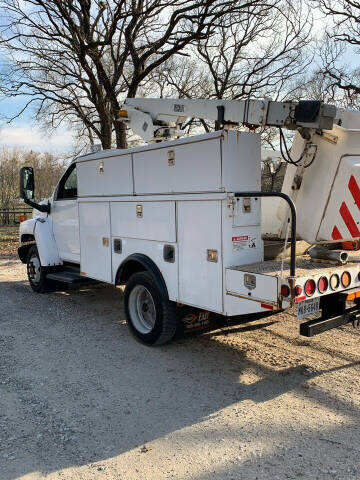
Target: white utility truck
x=178, y=221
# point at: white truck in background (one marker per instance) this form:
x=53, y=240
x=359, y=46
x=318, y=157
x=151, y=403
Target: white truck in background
x=178, y=221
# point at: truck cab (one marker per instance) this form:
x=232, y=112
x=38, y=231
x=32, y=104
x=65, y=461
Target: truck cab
x=60, y=211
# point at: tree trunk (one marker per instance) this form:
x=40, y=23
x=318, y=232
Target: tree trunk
x=105, y=130
x=120, y=133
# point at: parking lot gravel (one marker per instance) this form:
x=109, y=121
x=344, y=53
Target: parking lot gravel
x=81, y=399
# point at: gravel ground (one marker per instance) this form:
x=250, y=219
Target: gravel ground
x=80, y=399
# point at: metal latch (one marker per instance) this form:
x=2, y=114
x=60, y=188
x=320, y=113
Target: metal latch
x=250, y=281
x=246, y=204
x=171, y=158
x=117, y=245
x=212, y=255
x=139, y=211
x=169, y=253
x=101, y=167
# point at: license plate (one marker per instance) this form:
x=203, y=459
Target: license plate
x=308, y=307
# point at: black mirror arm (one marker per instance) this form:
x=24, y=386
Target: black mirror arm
x=42, y=208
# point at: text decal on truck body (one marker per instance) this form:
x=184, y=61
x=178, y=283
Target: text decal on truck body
x=244, y=242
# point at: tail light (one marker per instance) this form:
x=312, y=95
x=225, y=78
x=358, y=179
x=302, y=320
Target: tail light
x=298, y=290
x=285, y=290
x=323, y=284
x=309, y=287
x=345, y=279
x=334, y=281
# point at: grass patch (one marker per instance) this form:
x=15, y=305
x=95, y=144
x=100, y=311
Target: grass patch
x=9, y=233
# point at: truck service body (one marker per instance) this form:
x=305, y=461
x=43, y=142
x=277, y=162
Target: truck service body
x=179, y=221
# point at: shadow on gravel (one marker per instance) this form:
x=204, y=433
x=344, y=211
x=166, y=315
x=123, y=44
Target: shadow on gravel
x=75, y=387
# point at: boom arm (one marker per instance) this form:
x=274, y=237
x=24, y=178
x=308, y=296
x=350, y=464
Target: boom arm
x=154, y=118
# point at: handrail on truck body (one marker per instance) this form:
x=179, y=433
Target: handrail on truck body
x=293, y=221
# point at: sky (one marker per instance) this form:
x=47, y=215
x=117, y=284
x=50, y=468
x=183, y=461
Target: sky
x=23, y=132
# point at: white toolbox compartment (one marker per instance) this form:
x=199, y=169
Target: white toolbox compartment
x=95, y=248
x=218, y=162
x=193, y=167
x=105, y=176
x=145, y=220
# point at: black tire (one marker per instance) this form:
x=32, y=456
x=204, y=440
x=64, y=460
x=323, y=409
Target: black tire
x=36, y=272
x=162, y=311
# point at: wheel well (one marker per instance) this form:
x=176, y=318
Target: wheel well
x=23, y=251
x=127, y=269
x=27, y=237
x=138, y=262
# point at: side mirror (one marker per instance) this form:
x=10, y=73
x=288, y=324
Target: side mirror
x=27, y=183
x=27, y=189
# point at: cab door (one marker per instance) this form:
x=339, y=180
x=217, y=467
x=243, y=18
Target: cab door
x=65, y=217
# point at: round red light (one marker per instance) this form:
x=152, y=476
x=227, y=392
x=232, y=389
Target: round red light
x=285, y=290
x=298, y=290
x=323, y=284
x=309, y=287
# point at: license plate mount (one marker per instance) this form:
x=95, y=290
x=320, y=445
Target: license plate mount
x=308, y=307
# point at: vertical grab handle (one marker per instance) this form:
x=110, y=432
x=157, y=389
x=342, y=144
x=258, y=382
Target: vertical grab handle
x=293, y=221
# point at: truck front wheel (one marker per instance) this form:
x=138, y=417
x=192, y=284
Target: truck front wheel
x=36, y=272
x=150, y=315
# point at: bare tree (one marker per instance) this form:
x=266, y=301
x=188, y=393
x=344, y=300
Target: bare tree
x=259, y=54
x=75, y=59
x=272, y=174
x=342, y=34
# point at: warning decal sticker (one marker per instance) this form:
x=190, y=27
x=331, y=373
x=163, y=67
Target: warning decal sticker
x=244, y=242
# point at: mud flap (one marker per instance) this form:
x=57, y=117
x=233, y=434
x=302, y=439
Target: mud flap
x=194, y=321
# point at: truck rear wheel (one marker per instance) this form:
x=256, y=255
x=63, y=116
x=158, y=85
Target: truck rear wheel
x=36, y=272
x=150, y=315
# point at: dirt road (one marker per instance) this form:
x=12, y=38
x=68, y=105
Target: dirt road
x=80, y=399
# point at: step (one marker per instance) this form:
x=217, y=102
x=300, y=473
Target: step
x=68, y=276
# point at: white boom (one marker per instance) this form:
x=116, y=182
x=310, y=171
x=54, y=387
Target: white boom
x=155, y=118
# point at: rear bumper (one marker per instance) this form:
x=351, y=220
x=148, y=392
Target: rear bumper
x=320, y=325
x=336, y=311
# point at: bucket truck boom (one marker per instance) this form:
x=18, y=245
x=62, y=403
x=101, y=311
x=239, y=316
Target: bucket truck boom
x=154, y=118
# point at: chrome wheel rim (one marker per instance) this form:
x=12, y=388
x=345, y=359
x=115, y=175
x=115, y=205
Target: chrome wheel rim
x=142, y=309
x=34, y=269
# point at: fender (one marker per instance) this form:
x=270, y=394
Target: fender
x=27, y=228
x=147, y=264
x=45, y=242
x=41, y=229
x=26, y=234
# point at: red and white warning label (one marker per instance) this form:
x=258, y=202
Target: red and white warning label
x=243, y=242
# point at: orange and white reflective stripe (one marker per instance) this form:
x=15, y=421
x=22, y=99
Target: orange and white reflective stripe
x=346, y=214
